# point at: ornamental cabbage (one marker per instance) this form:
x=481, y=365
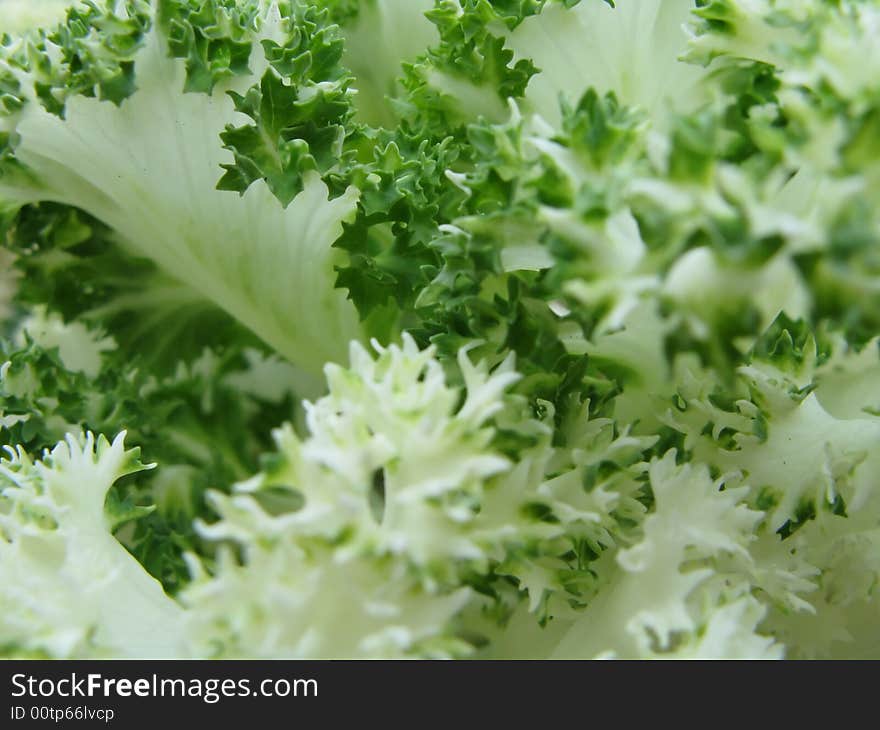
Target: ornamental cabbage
x=447, y=328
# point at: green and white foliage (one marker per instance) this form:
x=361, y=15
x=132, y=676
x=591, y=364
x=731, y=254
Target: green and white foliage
x=489, y=328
